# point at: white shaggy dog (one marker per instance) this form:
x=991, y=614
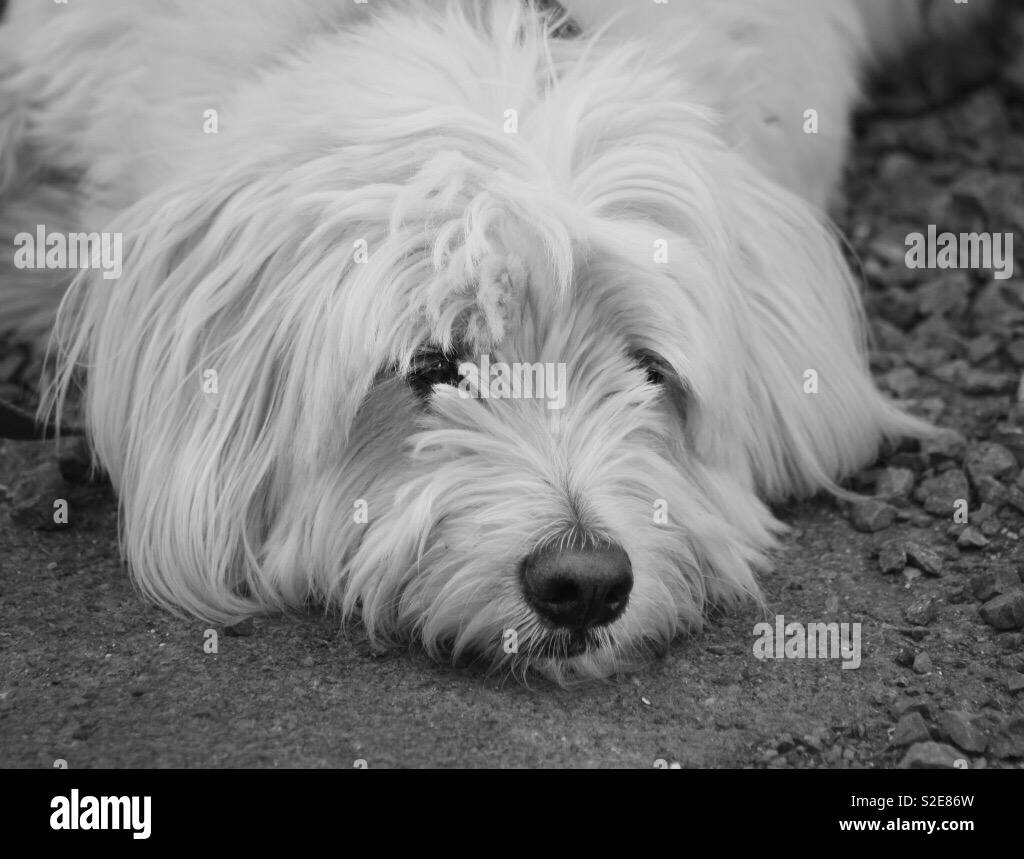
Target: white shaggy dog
x=398, y=186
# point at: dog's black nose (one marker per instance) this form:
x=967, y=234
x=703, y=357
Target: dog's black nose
x=578, y=588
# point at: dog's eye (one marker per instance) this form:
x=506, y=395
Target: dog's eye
x=652, y=365
x=432, y=368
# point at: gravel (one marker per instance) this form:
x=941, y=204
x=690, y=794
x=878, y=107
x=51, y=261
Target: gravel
x=930, y=756
x=1006, y=611
x=892, y=556
x=872, y=515
x=37, y=497
x=911, y=729
x=926, y=560
x=961, y=730
x=939, y=494
x=922, y=611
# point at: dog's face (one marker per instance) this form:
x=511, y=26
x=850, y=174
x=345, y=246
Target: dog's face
x=566, y=524
x=274, y=383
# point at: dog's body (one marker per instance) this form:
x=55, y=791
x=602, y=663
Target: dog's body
x=393, y=184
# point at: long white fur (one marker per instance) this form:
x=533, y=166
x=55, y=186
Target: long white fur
x=341, y=123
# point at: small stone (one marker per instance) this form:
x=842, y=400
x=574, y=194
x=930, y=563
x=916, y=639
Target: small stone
x=983, y=382
x=941, y=297
x=944, y=446
x=927, y=561
x=906, y=656
x=972, y=538
x=815, y=741
x=982, y=514
x=1009, y=740
x=930, y=755
x=911, y=729
x=940, y=494
x=991, y=528
x=921, y=611
x=1005, y=612
x=956, y=594
x=889, y=338
x=992, y=583
x=990, y=460
x=911, y=575
x=982, y=348
x=1012, y=438
x=1015, y=683
x=922, y=663
x=34, y=495
x=892, y=557
x=307, y=662
x=958, y=727
x=990, y=491
x=915, y=516
x=1005, y=746
x=870, y=515
x=1015, y=499
x=1012, y=641
x=953, y=373
x=895, y=484
x=902, y=382
x=242, y=629
x=914, y=633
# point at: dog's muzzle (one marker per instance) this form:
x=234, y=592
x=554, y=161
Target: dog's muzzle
x=577, y=589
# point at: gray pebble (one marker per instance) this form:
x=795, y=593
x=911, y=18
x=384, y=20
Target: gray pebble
x=910, y=729
x=927, y=561
x=972, y=538
x=945, y=445
x=939, y=494
x=991, y=583
x=958, y=727
x=895, y=484
x=34, y=495
x=921, y=611
x=990, y=460
x=1005, y=611
x=892, y=556
x=930, y=756
x=870, y=515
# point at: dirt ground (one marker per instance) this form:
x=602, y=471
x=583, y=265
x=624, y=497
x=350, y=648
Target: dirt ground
x=92, y=675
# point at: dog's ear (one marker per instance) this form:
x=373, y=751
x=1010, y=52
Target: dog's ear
x=802, y=410
x=236, y=346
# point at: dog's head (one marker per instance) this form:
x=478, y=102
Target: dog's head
x=481, y=335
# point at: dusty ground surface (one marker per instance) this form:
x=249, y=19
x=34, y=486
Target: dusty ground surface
x=92, y=675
